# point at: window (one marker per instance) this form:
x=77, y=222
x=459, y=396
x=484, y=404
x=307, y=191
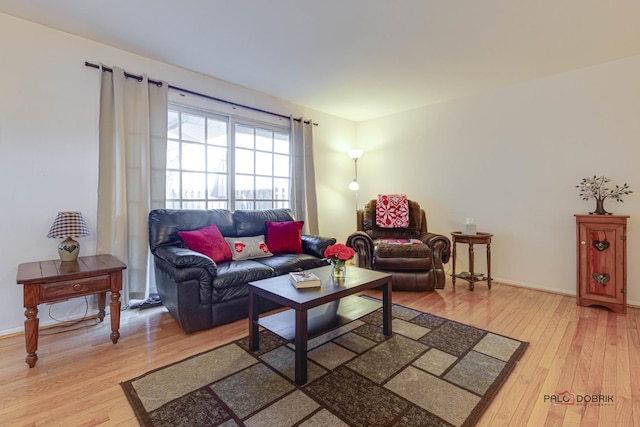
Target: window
x=216, y=161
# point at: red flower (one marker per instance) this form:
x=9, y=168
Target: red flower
x=339, y=251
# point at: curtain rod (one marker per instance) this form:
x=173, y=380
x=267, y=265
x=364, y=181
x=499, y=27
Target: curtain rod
x=159, y=83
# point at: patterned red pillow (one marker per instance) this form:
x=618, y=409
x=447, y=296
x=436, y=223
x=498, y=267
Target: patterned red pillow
x=284, y=237
x=248, y=247
x=207, y=241
x=392, y=211
x=400, y=241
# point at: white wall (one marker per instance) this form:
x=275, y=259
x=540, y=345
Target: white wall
x=49, y=148
x=511, y=159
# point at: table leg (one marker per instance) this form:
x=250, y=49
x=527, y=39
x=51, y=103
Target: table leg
x=301, y=347
x=31, y=325
x=115, y=316
x=453, y=264
x=471, y=266
x=386, y=309
x=102, y=303
x=489, y=264
x=254, y=338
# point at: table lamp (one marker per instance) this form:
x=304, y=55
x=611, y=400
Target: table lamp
x=68, y=225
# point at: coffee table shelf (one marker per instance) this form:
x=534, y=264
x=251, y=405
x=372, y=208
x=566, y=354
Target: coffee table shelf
x=320, y=319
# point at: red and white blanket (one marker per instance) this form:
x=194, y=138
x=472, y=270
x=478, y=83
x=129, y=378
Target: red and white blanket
x=392, y=211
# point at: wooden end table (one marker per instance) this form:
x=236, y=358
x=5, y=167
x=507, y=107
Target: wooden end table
x=471, y=239
x=55, y=280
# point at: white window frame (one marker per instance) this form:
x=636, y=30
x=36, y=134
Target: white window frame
x=232, y=121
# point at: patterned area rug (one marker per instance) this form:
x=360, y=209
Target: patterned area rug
x=430, y=372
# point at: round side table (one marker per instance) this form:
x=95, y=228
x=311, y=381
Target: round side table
x=471, y=239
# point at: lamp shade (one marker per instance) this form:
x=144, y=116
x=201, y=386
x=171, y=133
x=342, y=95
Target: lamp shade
x=69, y=224
x=356, y=153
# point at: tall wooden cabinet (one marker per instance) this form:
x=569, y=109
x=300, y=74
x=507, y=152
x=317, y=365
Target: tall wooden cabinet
x=602, y=261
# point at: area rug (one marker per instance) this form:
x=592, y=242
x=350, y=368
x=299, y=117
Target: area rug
x=430, y=372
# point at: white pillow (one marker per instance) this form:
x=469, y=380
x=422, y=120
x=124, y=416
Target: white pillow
x=247, y=247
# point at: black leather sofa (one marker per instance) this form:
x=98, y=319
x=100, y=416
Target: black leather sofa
x=200, y=293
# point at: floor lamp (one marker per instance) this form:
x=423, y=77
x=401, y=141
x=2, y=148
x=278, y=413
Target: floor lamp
x=355, y=154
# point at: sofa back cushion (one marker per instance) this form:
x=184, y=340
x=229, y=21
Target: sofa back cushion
x=253, y=223
x=164, y=224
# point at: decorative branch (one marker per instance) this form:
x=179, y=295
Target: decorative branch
x=596, y=188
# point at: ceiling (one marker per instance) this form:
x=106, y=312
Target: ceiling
x=356, y=59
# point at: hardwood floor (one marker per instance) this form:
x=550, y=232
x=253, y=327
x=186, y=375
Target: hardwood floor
x=586, y=351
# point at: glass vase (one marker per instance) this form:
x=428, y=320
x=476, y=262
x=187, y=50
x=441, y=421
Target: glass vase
x=338, y=269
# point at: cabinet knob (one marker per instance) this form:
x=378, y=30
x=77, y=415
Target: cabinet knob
x=77, y=287
x=583, y=242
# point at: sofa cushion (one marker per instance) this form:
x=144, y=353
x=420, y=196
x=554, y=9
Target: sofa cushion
x=207, y=241
x=284, y=237
x=253, y=223
x=235, y=274
x=248, y=247
x=233, y=277
x=286, y=263
x=164, y=224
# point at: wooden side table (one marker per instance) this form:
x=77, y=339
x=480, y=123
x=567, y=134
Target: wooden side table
x=55, y=280
x=471, y=239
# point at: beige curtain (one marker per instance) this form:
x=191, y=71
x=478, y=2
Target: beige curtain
x=131, y=178
x=305, y=204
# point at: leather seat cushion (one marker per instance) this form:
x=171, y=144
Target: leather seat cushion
x=285, y=263
x=402, y=257
x=386, y=250
x=236, y=273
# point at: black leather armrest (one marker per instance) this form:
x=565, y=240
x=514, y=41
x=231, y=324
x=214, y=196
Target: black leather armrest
x=362, y=243
x=316, y=245
x=439, y=244
x=182, y=257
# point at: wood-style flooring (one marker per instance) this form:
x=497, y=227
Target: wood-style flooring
x=589, y=352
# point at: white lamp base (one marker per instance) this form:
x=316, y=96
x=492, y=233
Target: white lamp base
x=68, y=249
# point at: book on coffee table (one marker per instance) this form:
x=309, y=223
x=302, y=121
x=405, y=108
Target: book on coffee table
x=305, y=279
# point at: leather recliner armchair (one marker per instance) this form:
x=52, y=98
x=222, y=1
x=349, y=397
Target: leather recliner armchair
x=413, y=265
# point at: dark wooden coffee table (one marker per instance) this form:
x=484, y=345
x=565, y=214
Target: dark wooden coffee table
x=314, y=311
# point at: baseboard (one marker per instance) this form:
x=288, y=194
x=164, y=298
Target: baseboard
x=633, y=304
x=50, y=324
x=533, y=286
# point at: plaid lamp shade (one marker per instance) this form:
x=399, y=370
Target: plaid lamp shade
x=69, y=224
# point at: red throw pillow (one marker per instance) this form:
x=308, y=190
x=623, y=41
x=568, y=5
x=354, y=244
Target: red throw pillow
x=284, y=237
x=207, y=241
